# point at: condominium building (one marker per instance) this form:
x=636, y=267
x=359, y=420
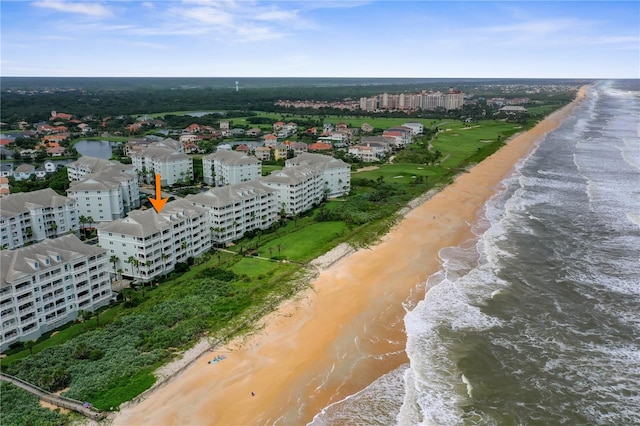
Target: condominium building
x=106, y=195
x=173, y=166
x=237, y=208
x=27, y=217
x=47, y=284
x=76, y=170
x=146, y=244
x=229, y=167
x=335, y=173
x=299, y=188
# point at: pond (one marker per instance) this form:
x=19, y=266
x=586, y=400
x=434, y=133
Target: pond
x=97, y=149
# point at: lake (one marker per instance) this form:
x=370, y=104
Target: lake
x=97, y=149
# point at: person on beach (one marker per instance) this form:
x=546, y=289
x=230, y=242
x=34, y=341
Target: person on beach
x=253, y=394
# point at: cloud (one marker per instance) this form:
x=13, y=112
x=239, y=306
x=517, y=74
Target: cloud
x=91, y=9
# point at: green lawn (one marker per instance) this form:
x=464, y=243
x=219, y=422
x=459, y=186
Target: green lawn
x=399, y=173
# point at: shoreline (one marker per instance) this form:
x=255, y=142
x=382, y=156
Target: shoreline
x=334, y=338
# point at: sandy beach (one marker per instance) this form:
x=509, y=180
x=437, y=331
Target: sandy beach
x=347, y=330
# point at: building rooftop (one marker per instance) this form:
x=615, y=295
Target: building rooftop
x=232, y=158
x=25, y=261
x=21, y=202
x=143, y=223
x=321, y=161
x=224, y=195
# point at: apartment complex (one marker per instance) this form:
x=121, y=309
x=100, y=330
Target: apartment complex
x=237, y=208
x=45, y=285
x=76, y=170
x=453, y=99
x=106, y=195
x=146, y=244
x=27, y=217
x=229, y=167
x=299, y=188
x=336, y=174
x=173, y=166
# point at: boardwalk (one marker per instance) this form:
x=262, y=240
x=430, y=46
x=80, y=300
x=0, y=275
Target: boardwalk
x=60, y=401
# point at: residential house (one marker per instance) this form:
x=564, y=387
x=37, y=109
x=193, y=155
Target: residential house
x=243, y=148
x=26, y=217
x=6, y=169
x=106, y=195
x=237, y=208
x=4, y=186
x=24, y=171
x=47, y=284
x=416, y=128
x=262, y=153
x=146, y=244
x=255, y=132
x=320, y=147
x=280, y=152
x=335, y=173
x=270, y=140
x=228, y=167
x=50, y=167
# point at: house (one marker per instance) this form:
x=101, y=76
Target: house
x=277, y=126
x=60, y=116
x=56, y=151
x=26, y=217
x=255, y=132
x=298, y=148
x=366, y=127
x=24, y=171
x=228, y=167
x=320, y=146
x=335, y=173
x=243, y=148
x=270, y=140
x=6, y=169
x=47, y=284
x=106, y=195
x=299, y=188
x=280, y=152
x=237, y=208
x=50, y=167
x=416, y=128
x=262, y=153
x=4, y=186
x=147, y=244
x=40, y=173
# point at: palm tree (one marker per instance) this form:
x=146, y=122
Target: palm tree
x=164, y=264
x=114, y=259
x=83, y=221
x=134, y=263
x=90, y=221
x=29, y=345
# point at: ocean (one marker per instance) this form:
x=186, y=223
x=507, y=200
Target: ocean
x=537, y=320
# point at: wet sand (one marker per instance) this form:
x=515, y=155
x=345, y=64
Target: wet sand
x=345, y=332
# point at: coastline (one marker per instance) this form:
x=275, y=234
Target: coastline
x=336, y=337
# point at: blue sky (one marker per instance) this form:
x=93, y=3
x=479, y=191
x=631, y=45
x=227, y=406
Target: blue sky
x=319, y=38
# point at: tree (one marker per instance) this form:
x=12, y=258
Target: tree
x=83, y=221
x=29, y=345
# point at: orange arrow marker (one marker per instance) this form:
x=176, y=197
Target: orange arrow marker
x=158, y=202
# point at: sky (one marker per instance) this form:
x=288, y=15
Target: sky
x=320, y=38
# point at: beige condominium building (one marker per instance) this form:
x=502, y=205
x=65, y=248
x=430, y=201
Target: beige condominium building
x=47, y=284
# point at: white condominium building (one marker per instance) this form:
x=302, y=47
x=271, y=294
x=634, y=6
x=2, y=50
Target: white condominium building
x=26, y=217
x=238, y=208
x=172, y=166
x=106, y=195
x=85, y=165
x=336, y=173
x=299, y=188
x=146, y=244
x=229, y=167
x=45, y=285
